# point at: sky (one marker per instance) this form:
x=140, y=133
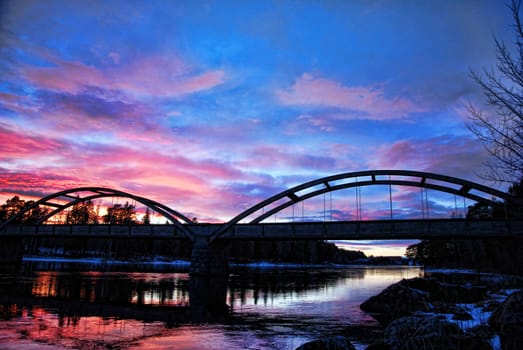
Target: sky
x=210, y=107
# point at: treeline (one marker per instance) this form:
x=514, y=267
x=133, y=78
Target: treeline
x=497, y=255
x=82, y=212
x=313, y=252
x=292, y=251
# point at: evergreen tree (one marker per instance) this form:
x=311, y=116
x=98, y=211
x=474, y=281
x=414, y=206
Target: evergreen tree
x=82, y=213
x=121, y=214
x=147, y=217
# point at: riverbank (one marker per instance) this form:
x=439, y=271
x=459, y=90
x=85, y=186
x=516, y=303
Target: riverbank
x=444, y=309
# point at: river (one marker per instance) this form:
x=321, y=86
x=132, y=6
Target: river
x=71, y=306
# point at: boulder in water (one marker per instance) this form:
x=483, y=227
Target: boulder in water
x=396, y=301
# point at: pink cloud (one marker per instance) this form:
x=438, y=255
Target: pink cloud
x=19, y=144
x=36, y=184
x=366, y=102
x=157, y=76
x=65, y=76
x=163, y=76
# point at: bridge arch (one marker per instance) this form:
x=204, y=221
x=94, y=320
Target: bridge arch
x=72, y=197
x=442, y=183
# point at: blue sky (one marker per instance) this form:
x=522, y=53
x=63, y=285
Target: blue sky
x=213, y=106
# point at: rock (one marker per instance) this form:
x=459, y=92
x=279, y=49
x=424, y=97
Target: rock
x=428, y=285
x=414, y=332
x=330, y=343
x=377, y=345
x=429, y=332
x=465, y=294
x=448, y=292
x=481, y=331
x=458, y=312
x=507, y=320
x=396, y=301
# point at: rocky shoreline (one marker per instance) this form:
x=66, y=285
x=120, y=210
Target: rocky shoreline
x=454, y=310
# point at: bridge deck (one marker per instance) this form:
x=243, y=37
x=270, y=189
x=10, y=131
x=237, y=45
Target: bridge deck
x=353, y=230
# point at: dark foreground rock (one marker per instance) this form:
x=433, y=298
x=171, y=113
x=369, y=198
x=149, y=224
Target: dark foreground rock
x=396, y=301
x=507, y=320
x=448, y=292
x=422, y=294
x=424, y=332
x=330, y=343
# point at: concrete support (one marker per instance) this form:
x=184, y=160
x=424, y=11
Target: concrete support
x=208, y=259
x=209, y=272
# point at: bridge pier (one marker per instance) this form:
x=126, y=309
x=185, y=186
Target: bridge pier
x=208, y=279
x=208, y=259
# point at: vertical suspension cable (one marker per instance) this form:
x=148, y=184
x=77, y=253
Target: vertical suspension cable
x=324, y=213
x=302, y=210
x=427, y=203
x=358, y=202
x=356, y=193
x=330, y=209
x=422, y=203
x=455, y=207
x=390, y=198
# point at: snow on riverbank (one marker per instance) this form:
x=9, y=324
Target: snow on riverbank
x=180, y=262
x=101, y=261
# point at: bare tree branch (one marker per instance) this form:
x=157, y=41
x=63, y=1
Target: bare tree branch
x=502, y=87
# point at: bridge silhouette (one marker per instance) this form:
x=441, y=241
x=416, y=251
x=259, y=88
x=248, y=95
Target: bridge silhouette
x=208, y=238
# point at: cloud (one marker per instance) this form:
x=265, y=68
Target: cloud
x=288, y=157
x=89, y=105
x=18, y=144
x=36, y=184
x=149, y=76
x=453, y=155
x=363, y=102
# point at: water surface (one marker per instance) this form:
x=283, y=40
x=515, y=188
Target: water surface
x=87, y=307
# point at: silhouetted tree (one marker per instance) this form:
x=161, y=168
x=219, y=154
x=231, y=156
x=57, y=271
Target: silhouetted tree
x=147, y=217
x=82, y=213
x=121, y=214
x=502, y=134
x=15, y=205
x=11, y=208
x=35, y=214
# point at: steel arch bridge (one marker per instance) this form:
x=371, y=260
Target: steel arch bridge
x=426, y=180
x=287, y=198
x=72, y=197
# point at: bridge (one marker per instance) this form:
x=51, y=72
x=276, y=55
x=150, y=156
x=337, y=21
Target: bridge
x=252, y=223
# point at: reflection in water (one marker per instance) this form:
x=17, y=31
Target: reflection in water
x=267, y=309
x=120, y=288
